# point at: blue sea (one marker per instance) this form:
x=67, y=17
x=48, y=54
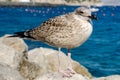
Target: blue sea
x=100, y=53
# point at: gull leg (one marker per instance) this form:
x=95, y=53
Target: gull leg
x=64, y=73
x=59, y=65
x=70, y=69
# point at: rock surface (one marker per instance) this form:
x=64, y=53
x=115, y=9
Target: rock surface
x=47, y=59
x=17, y=63
x=12, y=51
x=15, y=43
x=43, y=60
x=7, y=73
x=113, y=77
x=57, y=76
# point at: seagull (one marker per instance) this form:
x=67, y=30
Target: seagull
x=65, y=31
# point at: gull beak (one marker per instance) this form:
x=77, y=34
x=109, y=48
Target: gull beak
x=93, y=17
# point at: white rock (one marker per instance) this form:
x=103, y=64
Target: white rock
x=12, y=51
x=112, y=77
x=7, y=73
x=30, y=70
x=57, y=76
x=9, y=56
x=16, y=43
x=47, y=59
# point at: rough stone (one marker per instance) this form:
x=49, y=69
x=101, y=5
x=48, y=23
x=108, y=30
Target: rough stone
x=57, y=76
x=112, y=77
x=30, y=70
x=47, y=59
x=12, y=51
x=16, y=43
x=7, y=73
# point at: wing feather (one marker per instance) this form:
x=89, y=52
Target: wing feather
x=49, y=27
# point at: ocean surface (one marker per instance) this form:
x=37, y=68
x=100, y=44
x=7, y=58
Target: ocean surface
x=100, y=53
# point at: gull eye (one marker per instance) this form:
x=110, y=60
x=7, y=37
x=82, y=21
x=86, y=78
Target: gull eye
x=81, y=12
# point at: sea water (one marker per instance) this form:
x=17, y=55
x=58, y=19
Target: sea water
x=100, y=53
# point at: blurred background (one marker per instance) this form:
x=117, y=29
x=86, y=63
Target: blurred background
x=69, y=2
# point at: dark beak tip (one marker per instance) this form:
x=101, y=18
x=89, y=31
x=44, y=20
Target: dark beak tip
x=94, y=17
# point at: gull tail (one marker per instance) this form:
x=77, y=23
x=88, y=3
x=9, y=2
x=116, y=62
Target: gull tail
x=23, y=34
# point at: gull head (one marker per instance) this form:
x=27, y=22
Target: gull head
x=85, y=13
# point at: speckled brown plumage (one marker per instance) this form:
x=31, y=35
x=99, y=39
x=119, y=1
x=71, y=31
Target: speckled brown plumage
x=67, y=31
